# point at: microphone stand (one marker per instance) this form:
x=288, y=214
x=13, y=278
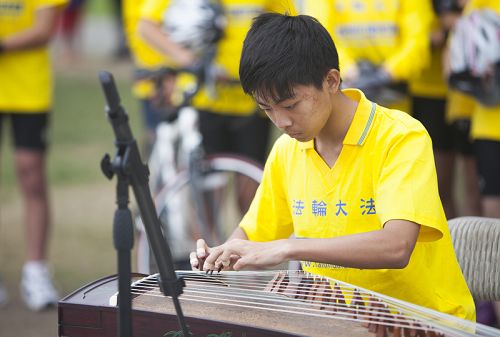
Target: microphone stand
x=130, y=170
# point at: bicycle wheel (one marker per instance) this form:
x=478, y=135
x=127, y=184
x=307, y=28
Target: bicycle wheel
x=207, y=203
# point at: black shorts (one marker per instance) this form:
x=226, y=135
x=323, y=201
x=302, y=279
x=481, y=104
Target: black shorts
x=431, y=112
x=461, y=135
x=29, y=130
x=245, y=135
x=488, y=166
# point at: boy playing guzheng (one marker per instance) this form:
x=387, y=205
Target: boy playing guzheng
x=354, y=181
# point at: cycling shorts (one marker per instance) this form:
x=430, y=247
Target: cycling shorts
x=29, y=130
x=242, y=135
x=463, y=141
x=431, y=113
x=488, y=166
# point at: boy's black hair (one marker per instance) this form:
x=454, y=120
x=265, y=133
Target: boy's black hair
x=281, y=51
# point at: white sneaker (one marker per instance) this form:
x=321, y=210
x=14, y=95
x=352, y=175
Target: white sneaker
x=37, y=289
x=4, y=295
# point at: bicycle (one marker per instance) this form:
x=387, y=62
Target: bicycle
x=196, y=196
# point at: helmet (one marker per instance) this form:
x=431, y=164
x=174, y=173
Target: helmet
x=196, y=24
x=475, y=56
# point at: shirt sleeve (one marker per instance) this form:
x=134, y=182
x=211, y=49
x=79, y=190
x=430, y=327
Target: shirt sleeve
x=269, y=217
x=407, y=185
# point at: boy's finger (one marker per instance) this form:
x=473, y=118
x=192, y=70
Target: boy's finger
x=193, y=260
x=201, y=248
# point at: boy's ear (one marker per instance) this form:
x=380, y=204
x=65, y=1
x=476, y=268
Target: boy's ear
x=332, y=79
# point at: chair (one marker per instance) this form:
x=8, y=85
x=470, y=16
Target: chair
x=477, y=247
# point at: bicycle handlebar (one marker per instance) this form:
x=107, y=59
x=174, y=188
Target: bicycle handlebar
x=203, y=72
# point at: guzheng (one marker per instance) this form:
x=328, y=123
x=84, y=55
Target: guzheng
x=246, y=304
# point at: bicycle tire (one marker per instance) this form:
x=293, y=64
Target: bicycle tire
x=181, y=213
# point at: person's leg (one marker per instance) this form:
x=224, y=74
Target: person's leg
x=4, y=295
x=216, y=141
x=472, y=205
x=445, y=162
x=30, y=133
x=151, y=119
x=467, y=157
x=488, y=164
x=431, y=113
x=30, y=169
x=214, y=132
x=250, y=138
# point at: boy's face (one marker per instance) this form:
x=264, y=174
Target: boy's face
x=302, y=116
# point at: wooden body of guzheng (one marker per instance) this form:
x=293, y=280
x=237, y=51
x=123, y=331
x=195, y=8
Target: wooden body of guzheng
x=260, y=304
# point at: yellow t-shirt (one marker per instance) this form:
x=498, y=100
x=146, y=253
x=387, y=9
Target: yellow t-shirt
x=485, y=120
x=25, y=75
x=228, y=98
x=386, y=32
x=385, y=171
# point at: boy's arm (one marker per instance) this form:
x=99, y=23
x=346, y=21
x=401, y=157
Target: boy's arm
x=388, y=248
x=38, y=35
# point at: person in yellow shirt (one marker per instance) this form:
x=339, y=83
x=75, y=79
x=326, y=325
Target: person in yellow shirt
x=354, y=181
x=26, y=28
x=486, y=117
x=441, y=114
x=475, y=50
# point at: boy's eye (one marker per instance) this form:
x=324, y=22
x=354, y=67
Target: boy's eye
x=291, y=106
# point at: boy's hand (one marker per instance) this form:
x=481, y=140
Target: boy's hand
x=240, y=254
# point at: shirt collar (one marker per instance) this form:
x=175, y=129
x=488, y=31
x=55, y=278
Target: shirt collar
x=363, y=118
x=361, y=123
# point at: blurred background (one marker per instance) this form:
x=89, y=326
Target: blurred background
x=82, y=199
